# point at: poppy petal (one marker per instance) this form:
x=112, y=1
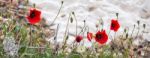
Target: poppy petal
x=101, y=37
x=34, y=16
x=114, y=25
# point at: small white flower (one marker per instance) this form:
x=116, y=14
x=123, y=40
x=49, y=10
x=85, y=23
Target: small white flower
x=10, y=47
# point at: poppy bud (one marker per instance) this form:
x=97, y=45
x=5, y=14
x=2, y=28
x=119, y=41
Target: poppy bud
x=78, y=38
x=73, y=13
x=55, y=38
x=144, y=25
x=33, y=30
x=71, y=19
x=34, y=5
x=134, y=25
x=117, y=14
x=96, y=25
x=62, y=2
x=138, y=22
x=84, y=21
x=135, y=49
x=67, y=37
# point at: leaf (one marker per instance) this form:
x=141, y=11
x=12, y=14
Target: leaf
x=22, y=50
x=17, y=28
x=74, y=55
x=4, y=28
x=48, y=52
x=61, y=56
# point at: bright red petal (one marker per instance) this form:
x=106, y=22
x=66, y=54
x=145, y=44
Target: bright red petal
x=36, y=18
x=103, y=39
x=114, y=25
x=89, y=36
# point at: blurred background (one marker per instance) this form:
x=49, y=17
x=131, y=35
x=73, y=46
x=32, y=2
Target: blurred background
x=130, y=11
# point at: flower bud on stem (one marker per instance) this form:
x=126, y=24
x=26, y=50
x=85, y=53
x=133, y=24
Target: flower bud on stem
x=144, y=26
x=138, y=22
x=117, y=14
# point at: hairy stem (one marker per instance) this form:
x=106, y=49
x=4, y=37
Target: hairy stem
x=57, y=14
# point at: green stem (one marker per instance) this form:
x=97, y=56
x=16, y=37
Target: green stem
x=65, y=39
x=31, y=35
x=76, y=22
x=138, y=32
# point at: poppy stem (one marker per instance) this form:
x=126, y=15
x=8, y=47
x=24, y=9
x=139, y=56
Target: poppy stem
x=143, y=32
x=102, y=23
x=55, y=38
x=66, y=36
x=144, y=26
x=42, y=30
x=123, y=35
x=57, y=14
x=138, y=31
x=67, y=25
x=93, y=48
x=83, y=29
x=87, y=28
x=109, y=32
x=30, y=35
x=125, y=32
x=133, y=31
x=76, y=22
x=115, y=35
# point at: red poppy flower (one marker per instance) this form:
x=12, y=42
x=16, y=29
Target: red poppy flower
x=89, y=36
x=101, y=37
x=34, y=16
x=114, y=25
x=79, y=38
